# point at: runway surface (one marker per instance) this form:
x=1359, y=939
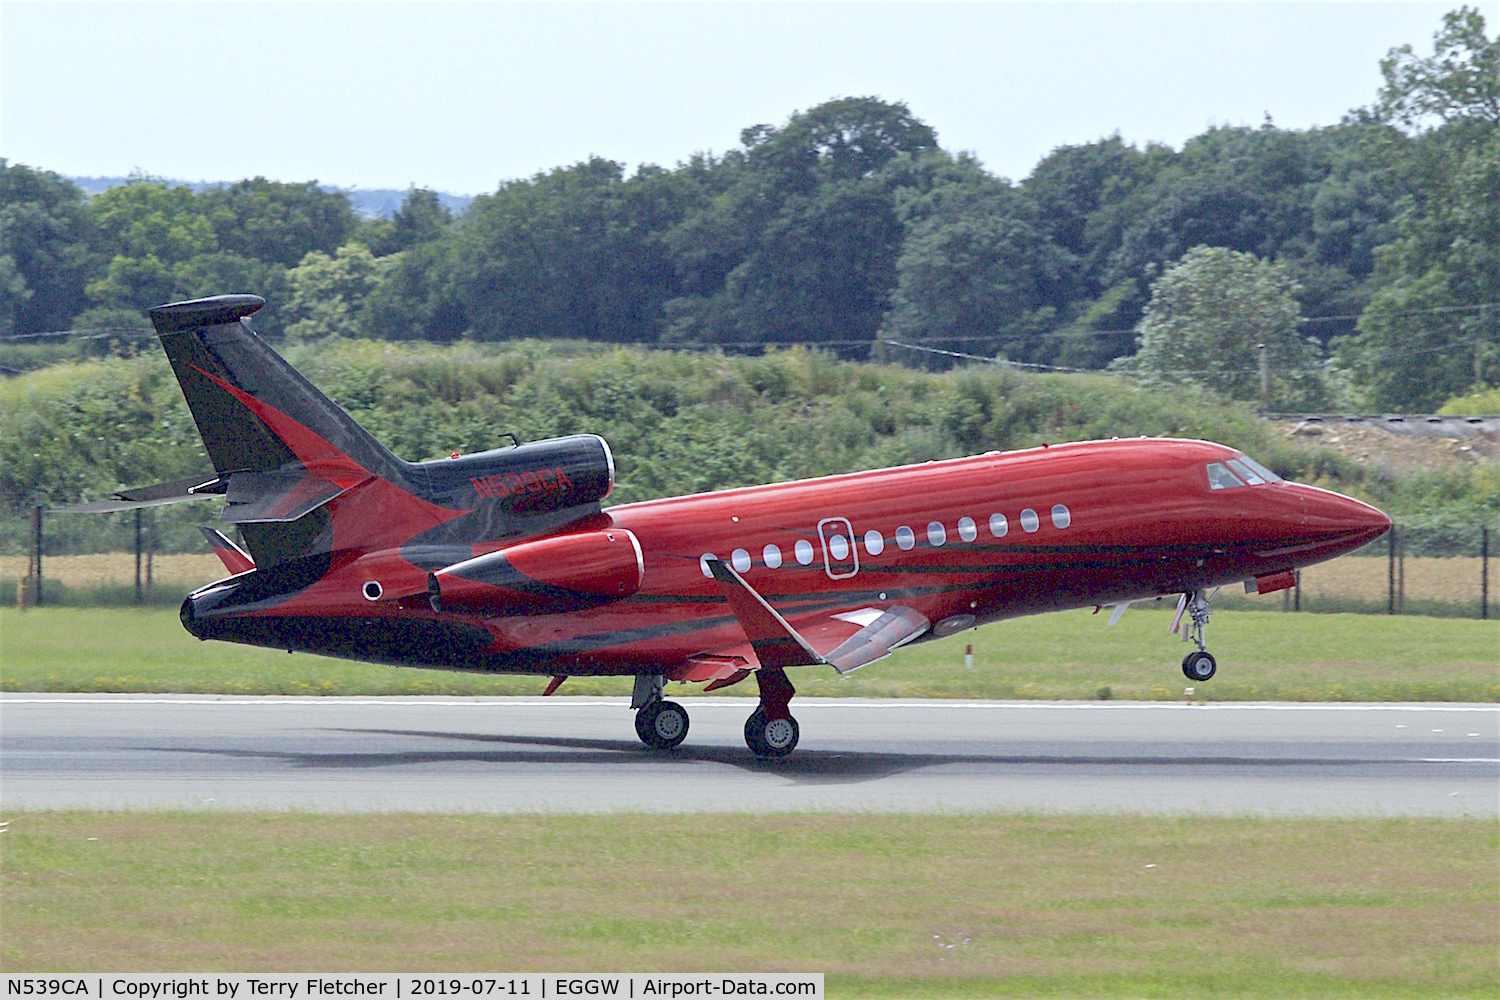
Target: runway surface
x=581, y=754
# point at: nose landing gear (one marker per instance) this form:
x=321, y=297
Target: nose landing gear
x=1199, y=665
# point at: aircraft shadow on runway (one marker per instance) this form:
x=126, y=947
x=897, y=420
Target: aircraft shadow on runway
x=804, y=766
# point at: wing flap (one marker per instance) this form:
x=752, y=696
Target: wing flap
x=895, y=627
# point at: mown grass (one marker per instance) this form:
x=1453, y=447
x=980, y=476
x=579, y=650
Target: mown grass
x=960, y=905
x=1263, y=655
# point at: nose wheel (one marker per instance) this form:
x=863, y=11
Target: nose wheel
x=1199, y=666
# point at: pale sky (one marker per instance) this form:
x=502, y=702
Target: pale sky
x=458, y=97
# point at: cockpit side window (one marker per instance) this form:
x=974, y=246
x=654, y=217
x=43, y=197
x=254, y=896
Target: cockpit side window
x=1220, y=478
x=1258, y=469
x=1245, y=472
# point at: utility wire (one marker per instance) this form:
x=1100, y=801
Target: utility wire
x=1381, y=356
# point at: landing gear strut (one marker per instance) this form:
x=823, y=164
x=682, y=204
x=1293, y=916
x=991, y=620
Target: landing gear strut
x=1199, y=665
x=771, y=731
x=660, y=724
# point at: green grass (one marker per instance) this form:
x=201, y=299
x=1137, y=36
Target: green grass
x=1263, y=655
x=1032, y=905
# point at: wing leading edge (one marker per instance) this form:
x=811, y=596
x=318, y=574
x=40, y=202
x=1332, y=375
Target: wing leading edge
x=777, y=644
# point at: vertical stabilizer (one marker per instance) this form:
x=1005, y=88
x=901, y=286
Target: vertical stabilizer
x=254, y=412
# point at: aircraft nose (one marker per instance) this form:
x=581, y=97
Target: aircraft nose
x=1334, y=515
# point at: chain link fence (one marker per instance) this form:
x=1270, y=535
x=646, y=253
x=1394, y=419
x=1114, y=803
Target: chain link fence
x=1436, y=569
x=1440, y=570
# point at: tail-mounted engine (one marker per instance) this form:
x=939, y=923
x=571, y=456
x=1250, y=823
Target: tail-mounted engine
x=534, y=478
x=546, y=576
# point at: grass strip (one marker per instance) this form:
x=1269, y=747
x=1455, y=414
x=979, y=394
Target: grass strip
x=946, y=905
x=1263, y=656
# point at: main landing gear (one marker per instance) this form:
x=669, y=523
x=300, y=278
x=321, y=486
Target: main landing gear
x=771, y=731
x=660, y=724
x=1198, y=665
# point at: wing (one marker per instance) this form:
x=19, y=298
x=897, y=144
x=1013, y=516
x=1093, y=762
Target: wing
x=774, y=643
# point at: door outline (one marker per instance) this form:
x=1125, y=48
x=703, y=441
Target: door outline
x=828, y=560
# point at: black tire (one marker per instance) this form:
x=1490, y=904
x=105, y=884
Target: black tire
x=662, y=725
x=754, y=728
x=771, y=737
x=1199, y=667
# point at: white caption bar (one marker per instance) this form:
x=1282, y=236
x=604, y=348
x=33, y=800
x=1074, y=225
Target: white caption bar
x=412, y=985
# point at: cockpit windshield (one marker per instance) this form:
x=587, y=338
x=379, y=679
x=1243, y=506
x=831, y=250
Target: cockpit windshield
x=1220, y=478
x=1239, y=471
x=1259, y=469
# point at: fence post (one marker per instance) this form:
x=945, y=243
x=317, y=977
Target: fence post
x=150, y=546
x=137, y=555
x=1401, y=576
x=1297, y=590
x=1390, y=603
x=36, y=556
x=1484, y=571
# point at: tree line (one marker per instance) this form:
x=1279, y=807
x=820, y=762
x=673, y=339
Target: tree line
x=1364, y=255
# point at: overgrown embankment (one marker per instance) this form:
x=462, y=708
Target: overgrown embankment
x=679, y=423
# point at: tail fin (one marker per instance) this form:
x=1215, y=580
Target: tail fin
x=254, y=412
x=282, y=446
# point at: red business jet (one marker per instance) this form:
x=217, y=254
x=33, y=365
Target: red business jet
x=505, y=561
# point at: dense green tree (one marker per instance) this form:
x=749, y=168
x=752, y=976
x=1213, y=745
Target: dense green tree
x=46, y=231
x=807, y=236
x=1458, y=84
x=422, y=218
x=328, y=292
x=1208, y=315
x=278, y=223
x=976, y=271
x=1432, y=330
x=149, y=218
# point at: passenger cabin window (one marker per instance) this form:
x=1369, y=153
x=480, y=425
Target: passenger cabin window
x=905, y=537
x=874, y=542
x=998, y=525
x=803, y=550
x=966, y=529
x=1220, y=478
x=772, y=554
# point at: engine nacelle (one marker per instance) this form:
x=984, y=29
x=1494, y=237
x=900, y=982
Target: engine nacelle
x=534, y=478
x=545, y=576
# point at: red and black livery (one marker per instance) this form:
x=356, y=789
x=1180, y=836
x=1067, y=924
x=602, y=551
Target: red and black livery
x=506, y=561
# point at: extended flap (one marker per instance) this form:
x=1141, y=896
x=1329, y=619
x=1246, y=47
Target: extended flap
x=283, y=495
x=893, y=629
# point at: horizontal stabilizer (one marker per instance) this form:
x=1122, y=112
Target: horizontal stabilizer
x=234, y=558
x=273, y=497
x=892, y=630
x=776, y=643
x=193, y=488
